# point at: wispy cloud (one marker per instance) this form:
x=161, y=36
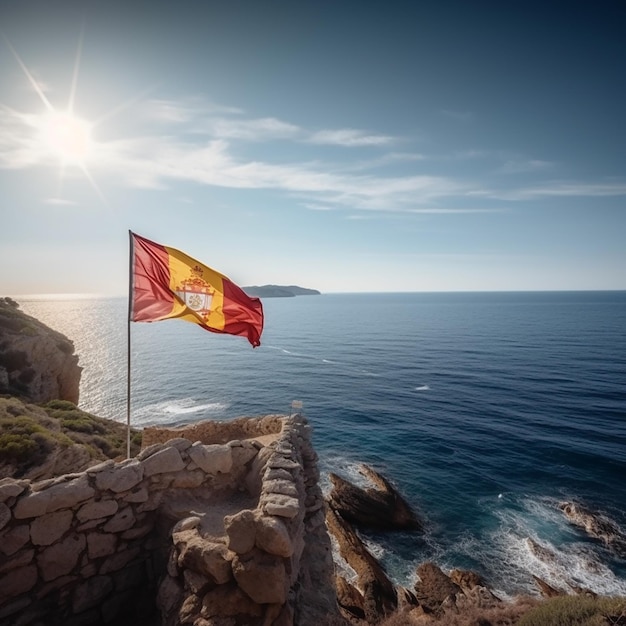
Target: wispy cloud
x=554, y=189
x=215, y=140
x=520, y=166
x=317, y=207
x=349, y=137
x=252, y=130
x=60, y=202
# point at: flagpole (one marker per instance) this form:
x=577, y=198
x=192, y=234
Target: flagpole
x=130, y=310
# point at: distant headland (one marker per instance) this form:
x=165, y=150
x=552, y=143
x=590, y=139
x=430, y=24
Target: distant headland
x=279, y=291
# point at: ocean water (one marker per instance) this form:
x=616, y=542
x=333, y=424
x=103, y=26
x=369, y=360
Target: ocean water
x=485, y=409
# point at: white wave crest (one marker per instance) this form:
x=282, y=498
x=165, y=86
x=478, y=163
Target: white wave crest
x=180, y=406
x=536, y=541
x=422, y=388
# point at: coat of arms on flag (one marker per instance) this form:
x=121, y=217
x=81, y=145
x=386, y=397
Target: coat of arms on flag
x=195, y=292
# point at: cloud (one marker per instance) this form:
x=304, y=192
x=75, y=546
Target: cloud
x=519, y=166
x=554, y=189
x=60, y=202
x=317, y=207
x=253, y=129
x=209, y=152
x=349, y=137
x=186, y=110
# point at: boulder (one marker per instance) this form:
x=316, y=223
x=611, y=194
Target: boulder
x=379, y=594
x=261, y=576
x=381, y=507
x=597, y=526
x=547, y=591
x=349, y=598
x=433, y=586
x=36, y=362
x=466, y=579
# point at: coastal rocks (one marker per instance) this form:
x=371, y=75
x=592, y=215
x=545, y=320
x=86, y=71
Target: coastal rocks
x=547, y=591
x=379, y=597
x=381, y=507
x=433, y=586
x=36, y=362
x=597, y=526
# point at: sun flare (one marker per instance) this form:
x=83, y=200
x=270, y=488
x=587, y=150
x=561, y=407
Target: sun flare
x=66, y=136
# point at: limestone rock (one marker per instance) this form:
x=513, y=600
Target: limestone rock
x=466, y=579
x=166, y=460
x=547, y=591
x=61, y=558
x=241, y=531
x=597, y=526
x=122, y=477
x=273, y=537
x=283, y=506
x=45, y=530
x=14, y=539
x=477, y=597
x=349, y=598
x=97, y=509
x=5, y=515
x=379, y=594
x=261, y=576
x=202, y=556
x=36, y=362
x=433, y=586
x=382, y=507
x=229, y=601
x=18, y=581
x=212, y=458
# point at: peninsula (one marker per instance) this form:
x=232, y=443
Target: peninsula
x=279, y=291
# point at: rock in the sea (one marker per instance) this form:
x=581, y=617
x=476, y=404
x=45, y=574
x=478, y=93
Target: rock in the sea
x=466, y=579
x=36, y=362
x=433, y=586
x=381, y=507
x=349, y=598
x=379, y=594
x=547, y=591
x=597, y=526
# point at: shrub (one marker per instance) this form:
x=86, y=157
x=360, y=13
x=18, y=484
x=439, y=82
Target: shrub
x=23, y=440
x=577, y=611
x=61, y=405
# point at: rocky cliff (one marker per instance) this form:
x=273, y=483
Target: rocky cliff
x=36, y=362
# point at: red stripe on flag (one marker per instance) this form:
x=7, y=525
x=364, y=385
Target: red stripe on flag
x=243, y=314
x=152, y=298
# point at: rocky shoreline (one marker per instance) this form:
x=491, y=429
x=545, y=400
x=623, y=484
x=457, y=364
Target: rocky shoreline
x=214, y=524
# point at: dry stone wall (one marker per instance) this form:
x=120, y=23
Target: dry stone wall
x=206, y=531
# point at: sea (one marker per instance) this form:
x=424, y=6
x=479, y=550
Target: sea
x=486, y=410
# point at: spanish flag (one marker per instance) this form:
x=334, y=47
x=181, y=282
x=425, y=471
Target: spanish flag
x=166, y=283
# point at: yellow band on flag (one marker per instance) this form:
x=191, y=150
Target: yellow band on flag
x=167, y=283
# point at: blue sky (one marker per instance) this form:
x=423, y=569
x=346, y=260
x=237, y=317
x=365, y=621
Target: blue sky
x=344, y=146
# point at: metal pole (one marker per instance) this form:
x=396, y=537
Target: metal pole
x=130, y=310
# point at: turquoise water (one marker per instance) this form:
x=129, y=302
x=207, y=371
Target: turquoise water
x=485, y=409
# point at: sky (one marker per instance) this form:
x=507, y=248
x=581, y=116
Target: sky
x=342, y=146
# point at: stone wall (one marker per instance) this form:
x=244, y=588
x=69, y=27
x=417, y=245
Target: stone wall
x=229, y=531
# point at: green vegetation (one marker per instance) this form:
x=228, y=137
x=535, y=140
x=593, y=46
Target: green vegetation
x=577, y=611
x=29, y=434
x=26, y=442
x=103, y=437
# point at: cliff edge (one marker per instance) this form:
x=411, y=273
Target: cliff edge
x=36, y=363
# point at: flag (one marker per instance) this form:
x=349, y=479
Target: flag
x=166, y=283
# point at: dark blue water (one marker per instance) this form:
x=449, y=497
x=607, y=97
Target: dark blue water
x=486, y=409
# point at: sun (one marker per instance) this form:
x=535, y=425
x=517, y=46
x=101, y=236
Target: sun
x=66, y=136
